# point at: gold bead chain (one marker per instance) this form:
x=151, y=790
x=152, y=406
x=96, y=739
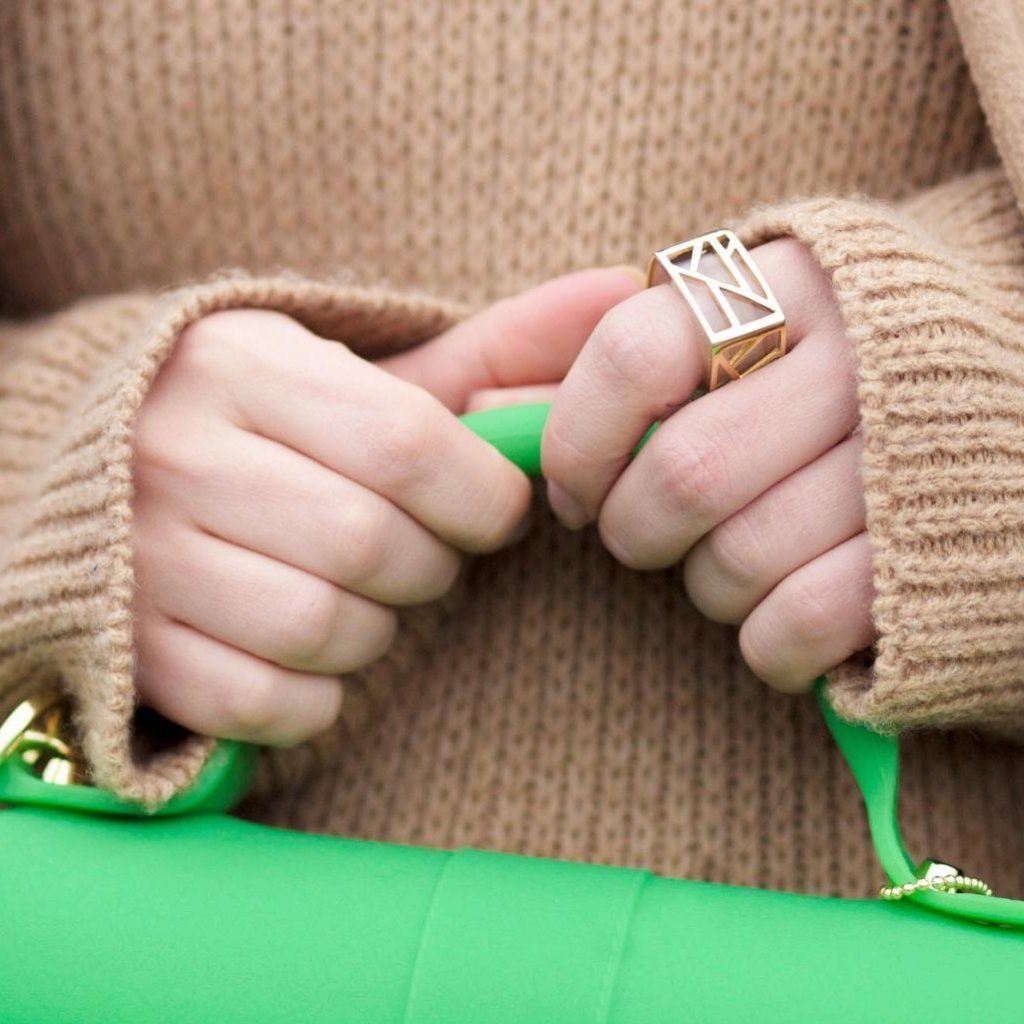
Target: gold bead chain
x=945, y=883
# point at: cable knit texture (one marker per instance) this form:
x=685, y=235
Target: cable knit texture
x=466, y=149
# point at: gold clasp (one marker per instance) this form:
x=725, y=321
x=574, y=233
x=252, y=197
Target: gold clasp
x=38, y=731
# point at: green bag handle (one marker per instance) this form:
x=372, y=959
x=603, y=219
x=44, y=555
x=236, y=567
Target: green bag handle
x=516, y=432
x=873, y=758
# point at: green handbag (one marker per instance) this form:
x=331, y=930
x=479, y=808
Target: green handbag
x=110, y=915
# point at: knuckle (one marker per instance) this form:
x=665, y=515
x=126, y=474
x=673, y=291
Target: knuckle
x=159, y=450
x=757, y=651
x=151, y=443
x=378, y=636
x=360, y=540
x=405, y=445
x=334, y=700
x=439, y=573
x=223, y=344
x=252, y=705
x=789, y=250
x=736, y=552
x=804, y=263
x=809, y=608
x=691, y=473
x=209, y=346
x=321, y=707
x=152, y=544
x=504, y=513
x=323, y=710
x=444, y=577
x=631, y=549
x=800, y=618
x=812, y=295
x=705, y=590
x=306, y=629
x=622, y=339
x=563, y=459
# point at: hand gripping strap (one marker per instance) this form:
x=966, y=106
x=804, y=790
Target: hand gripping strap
x=516, y=432
x=873, y=758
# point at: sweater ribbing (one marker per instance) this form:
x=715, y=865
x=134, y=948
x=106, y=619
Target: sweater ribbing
x=389, y=152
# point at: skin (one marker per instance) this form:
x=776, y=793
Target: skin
x=756, y=485
x=291, y=494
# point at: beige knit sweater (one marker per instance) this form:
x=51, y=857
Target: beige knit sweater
x=371, y=168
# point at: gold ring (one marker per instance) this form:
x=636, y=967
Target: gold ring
x=741, y=319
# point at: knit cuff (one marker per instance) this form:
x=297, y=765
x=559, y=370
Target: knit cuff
x=66, y=579
x=932, y=294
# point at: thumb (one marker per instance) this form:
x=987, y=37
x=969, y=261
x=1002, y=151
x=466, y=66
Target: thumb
x=530, y=338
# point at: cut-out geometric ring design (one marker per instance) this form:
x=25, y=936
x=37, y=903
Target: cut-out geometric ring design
x=740, y=317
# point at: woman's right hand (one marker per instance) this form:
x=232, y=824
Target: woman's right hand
x=289, y=495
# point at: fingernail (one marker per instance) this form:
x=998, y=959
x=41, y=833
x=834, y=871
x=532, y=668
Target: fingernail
x=634, y=272
x=569, y=511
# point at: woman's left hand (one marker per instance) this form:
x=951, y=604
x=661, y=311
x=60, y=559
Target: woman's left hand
x=757, y=484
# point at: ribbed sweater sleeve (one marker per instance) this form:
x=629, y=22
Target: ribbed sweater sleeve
x=932, y=293
x=70, y=385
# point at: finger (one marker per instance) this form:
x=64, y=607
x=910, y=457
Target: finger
x=260, y=495
x=496, y=398
x=813, y=620
x=268, y=609
x=643, y=361
x=384, y=433
x=525, y=339
x=717, y=454
x=217, y=690
x=733, y=567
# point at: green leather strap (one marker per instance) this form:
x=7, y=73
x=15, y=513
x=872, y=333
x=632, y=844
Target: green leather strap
x=516, y=432
x=873, y=758
x=219, y=786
